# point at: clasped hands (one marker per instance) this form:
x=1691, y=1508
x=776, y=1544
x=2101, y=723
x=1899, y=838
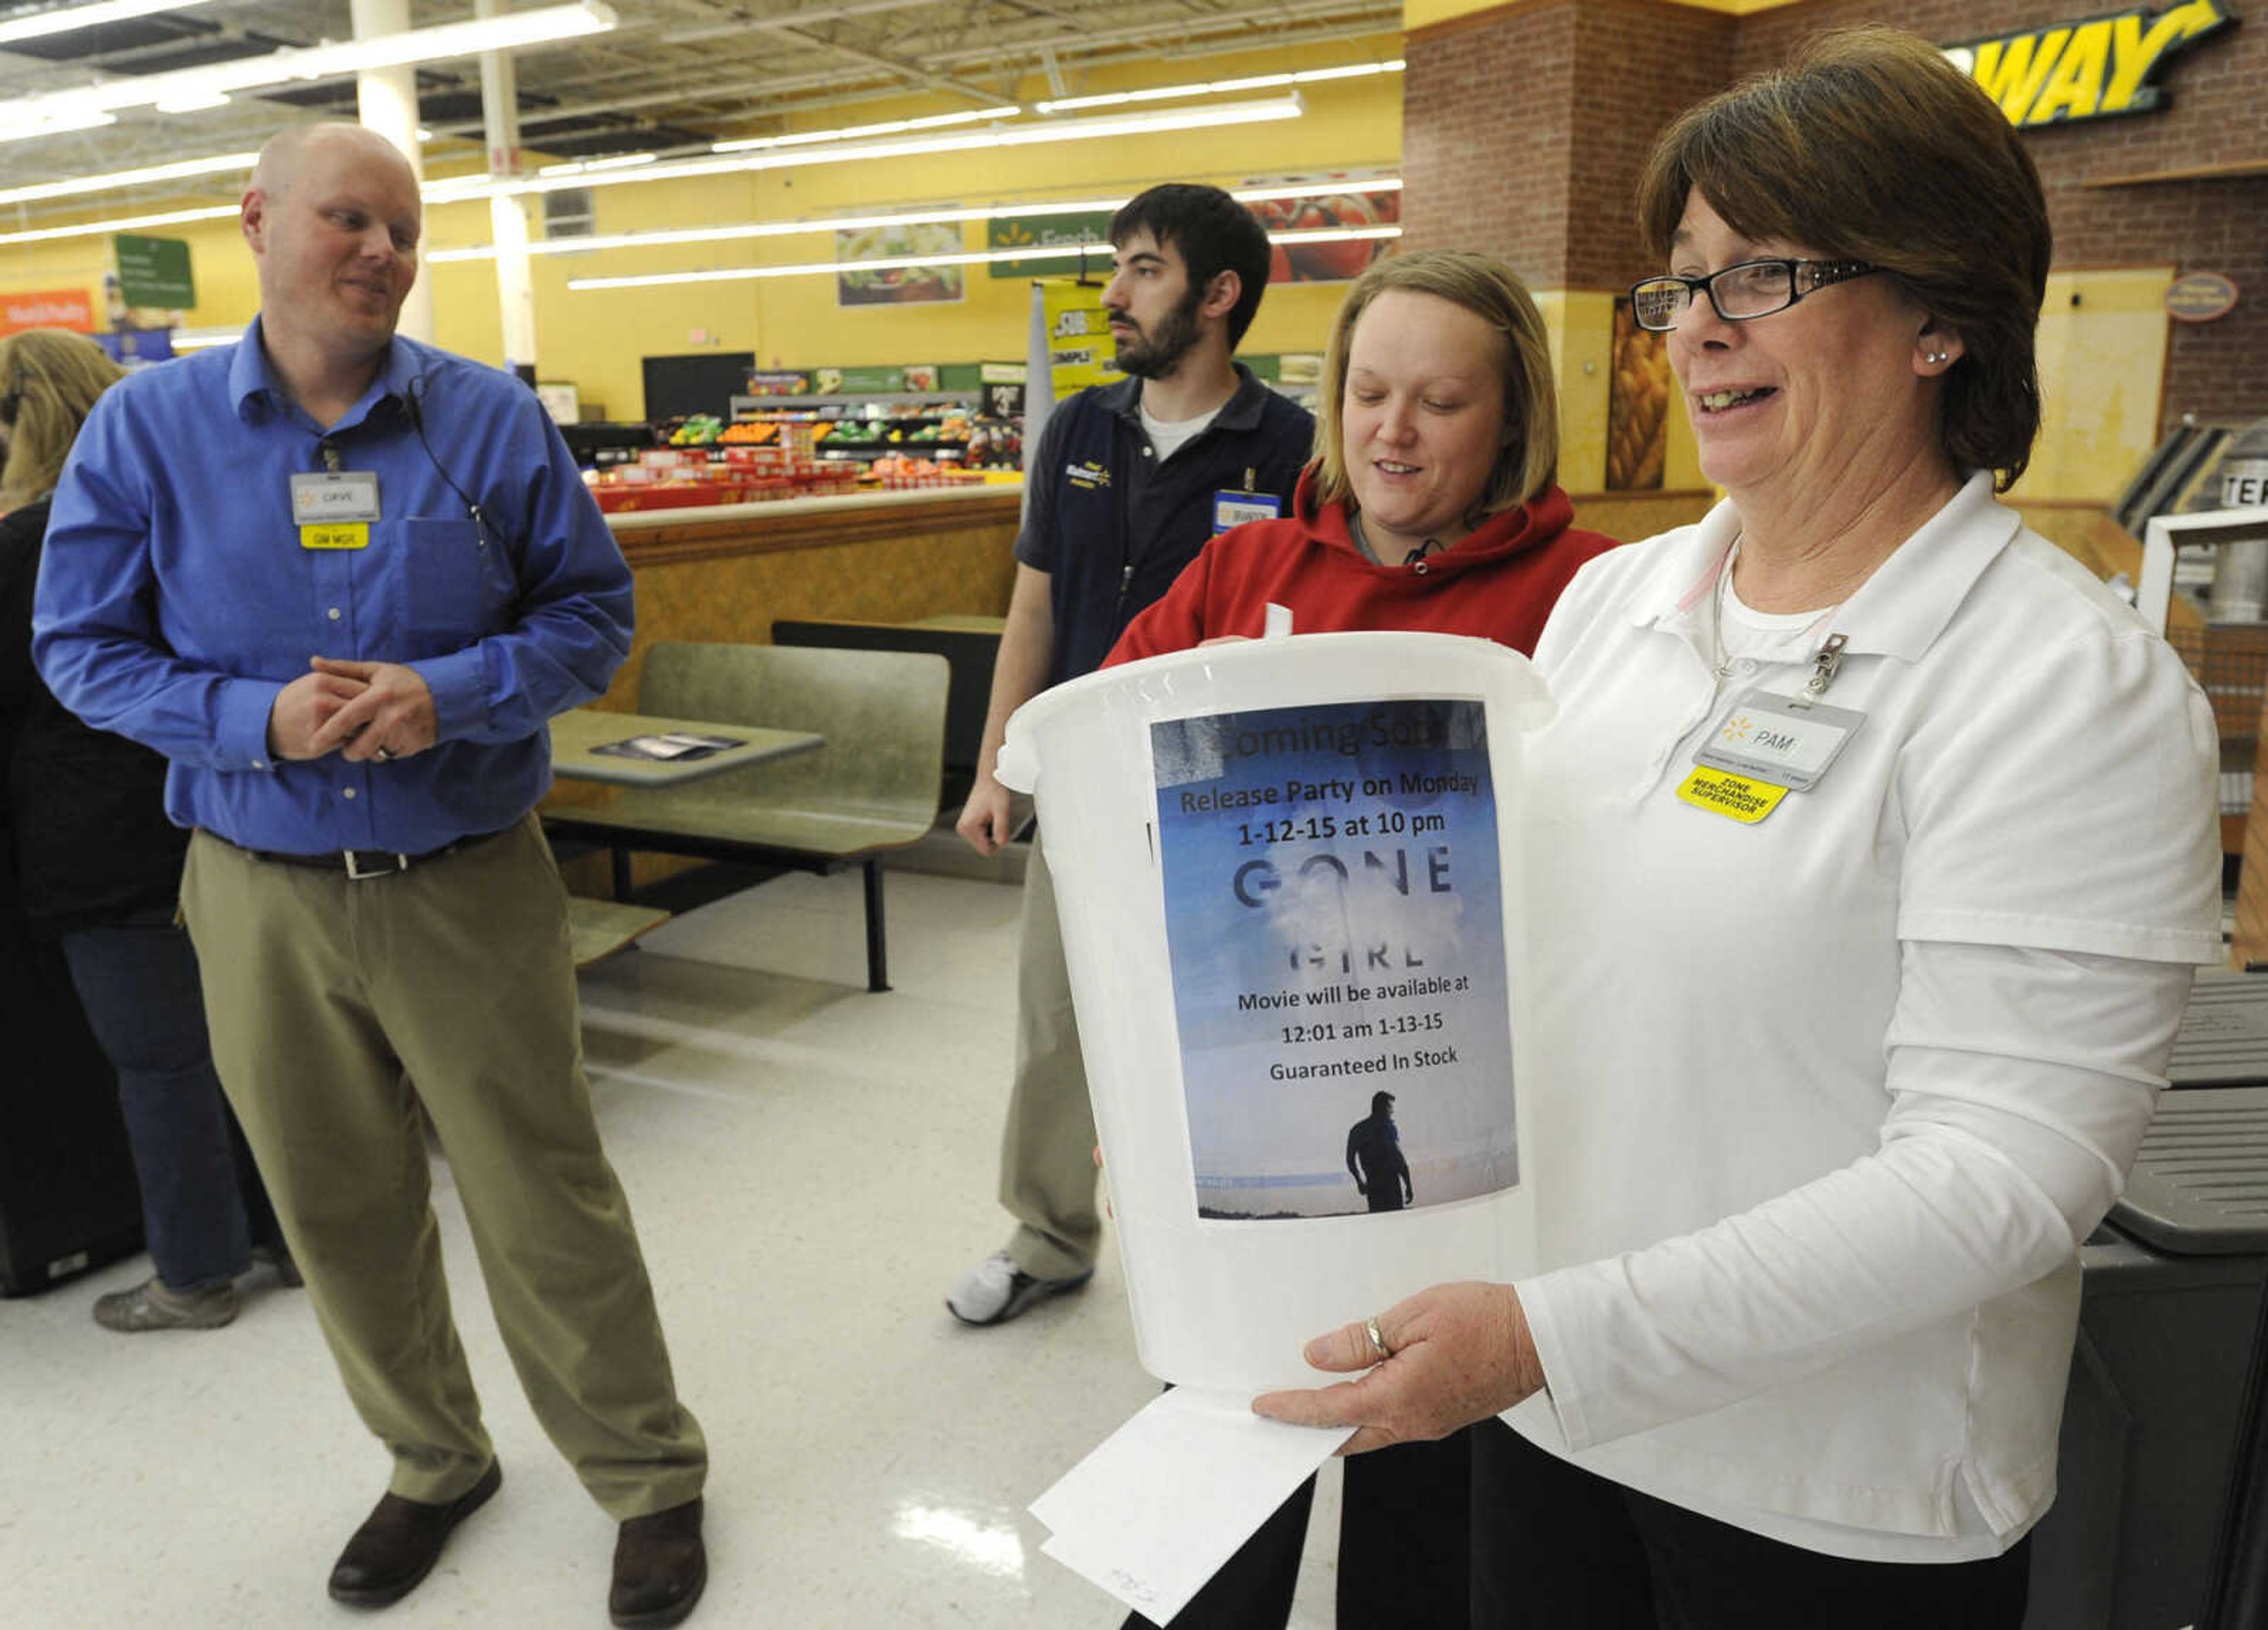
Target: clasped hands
x=362, y=710
x=1460, y=1353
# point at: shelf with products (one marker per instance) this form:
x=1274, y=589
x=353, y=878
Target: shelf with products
x=939, y=428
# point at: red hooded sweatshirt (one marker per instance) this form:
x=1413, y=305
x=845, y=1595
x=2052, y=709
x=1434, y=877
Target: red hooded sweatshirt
x=1500, y=583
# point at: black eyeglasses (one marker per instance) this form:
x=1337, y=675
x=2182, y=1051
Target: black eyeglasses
x=1740, y=293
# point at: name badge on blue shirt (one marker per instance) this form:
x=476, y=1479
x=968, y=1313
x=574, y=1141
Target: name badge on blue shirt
x=1234, y=509
x=321, y=497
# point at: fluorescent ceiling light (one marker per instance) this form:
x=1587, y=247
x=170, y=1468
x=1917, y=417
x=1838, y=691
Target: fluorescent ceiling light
x=1219, y=87
x=184, y=169
x=219, y=164
x=450, y=191
x=64, y=22
x=584, y=167
x=852, y=132
x=985, y=257
x=1042, y=131
x=56, y=122
x=36, y=115
x=939, y=215
x=125, y=223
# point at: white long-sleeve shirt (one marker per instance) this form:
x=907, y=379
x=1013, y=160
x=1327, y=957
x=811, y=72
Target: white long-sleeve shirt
x=1823, y=1103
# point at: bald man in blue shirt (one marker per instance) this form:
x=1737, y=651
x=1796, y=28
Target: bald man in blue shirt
x=341, y=580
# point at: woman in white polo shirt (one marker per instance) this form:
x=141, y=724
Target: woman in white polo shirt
x=1874, y=842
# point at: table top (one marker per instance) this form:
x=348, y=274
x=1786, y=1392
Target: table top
x=576, y=734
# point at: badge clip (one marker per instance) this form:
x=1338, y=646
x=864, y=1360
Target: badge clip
x=1829, y=660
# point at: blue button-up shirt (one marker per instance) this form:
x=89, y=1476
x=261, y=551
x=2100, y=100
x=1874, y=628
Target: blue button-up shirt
x=175, y=599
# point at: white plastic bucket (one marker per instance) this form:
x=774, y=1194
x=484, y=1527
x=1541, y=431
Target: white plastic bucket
x=1334, y=819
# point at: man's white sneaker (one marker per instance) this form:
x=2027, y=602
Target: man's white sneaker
x=995, y=1290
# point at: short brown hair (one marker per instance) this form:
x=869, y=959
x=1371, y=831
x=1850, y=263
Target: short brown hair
x=1869, y=145
x=1492, y=291
x=48, y=379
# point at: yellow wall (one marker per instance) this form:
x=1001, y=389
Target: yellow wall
x=1581, y=325
x=2102, y=369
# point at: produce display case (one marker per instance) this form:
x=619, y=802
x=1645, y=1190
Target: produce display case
x=898, y=434
x=697, y=478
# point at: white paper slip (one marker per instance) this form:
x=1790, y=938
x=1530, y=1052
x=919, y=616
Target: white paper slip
x=1156, y=1509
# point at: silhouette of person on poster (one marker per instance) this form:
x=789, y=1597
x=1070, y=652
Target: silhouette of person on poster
x=1373, y=1155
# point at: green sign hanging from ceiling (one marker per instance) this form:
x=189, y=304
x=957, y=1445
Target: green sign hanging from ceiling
x=154, y=272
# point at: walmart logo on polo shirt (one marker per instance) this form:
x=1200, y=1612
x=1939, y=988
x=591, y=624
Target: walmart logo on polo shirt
x=1088, y=474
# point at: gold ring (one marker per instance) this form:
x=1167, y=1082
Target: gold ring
x=1377, y=1342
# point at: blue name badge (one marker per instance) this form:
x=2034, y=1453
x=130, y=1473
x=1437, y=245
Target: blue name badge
x=1234, y=509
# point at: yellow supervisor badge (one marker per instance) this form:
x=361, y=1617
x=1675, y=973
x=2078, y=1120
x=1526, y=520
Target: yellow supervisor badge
x=339, y=534
x=1720, y=792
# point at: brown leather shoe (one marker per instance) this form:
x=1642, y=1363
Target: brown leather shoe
x=400, y=1541
x=660, y=1568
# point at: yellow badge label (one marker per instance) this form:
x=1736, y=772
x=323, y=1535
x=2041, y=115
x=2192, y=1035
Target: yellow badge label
x=1744, y=800
x=341, y=534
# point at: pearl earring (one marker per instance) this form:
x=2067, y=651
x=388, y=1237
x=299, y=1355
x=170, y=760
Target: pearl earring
x=1933, y=357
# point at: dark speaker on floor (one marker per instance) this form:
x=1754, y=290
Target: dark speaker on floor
x=68, y=1199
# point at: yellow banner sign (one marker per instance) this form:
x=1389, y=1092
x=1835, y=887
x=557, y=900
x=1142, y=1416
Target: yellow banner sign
x=1080, y=350
x=2092, y=69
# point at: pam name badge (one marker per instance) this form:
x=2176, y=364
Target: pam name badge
x=1786, y=741
x=333, y=508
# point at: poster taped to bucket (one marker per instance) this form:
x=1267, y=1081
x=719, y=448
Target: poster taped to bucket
x=1241, y=1132
x=1334, y=915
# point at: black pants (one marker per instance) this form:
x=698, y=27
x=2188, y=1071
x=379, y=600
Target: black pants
x=1557, y=1548
x=1403, y=1556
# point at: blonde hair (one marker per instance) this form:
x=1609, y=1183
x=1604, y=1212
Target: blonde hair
x=1492, y=291
x=48, y=379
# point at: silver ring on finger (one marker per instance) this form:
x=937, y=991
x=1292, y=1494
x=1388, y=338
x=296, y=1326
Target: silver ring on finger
x=385, y=754
x=1377, y=1341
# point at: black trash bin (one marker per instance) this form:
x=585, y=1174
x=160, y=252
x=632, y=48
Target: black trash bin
x=2172, y=1290
x=68, y=1197
x=2224, y=1035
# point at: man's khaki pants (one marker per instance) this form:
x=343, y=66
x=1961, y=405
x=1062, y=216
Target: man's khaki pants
x=1047, y=1153
x=337, y=1007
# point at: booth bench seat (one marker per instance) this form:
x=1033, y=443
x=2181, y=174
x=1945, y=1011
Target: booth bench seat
x=873, y=788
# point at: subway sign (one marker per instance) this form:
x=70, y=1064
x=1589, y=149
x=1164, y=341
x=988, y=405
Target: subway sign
x=2096, y=68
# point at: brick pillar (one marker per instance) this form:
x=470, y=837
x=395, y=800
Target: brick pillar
x=1523, y=128
x=1487, y=128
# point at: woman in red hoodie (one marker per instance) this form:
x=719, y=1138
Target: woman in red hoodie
x=1431, y=504
x=1432, y=501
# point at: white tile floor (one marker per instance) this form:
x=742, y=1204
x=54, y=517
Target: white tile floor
x=811, y=1166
